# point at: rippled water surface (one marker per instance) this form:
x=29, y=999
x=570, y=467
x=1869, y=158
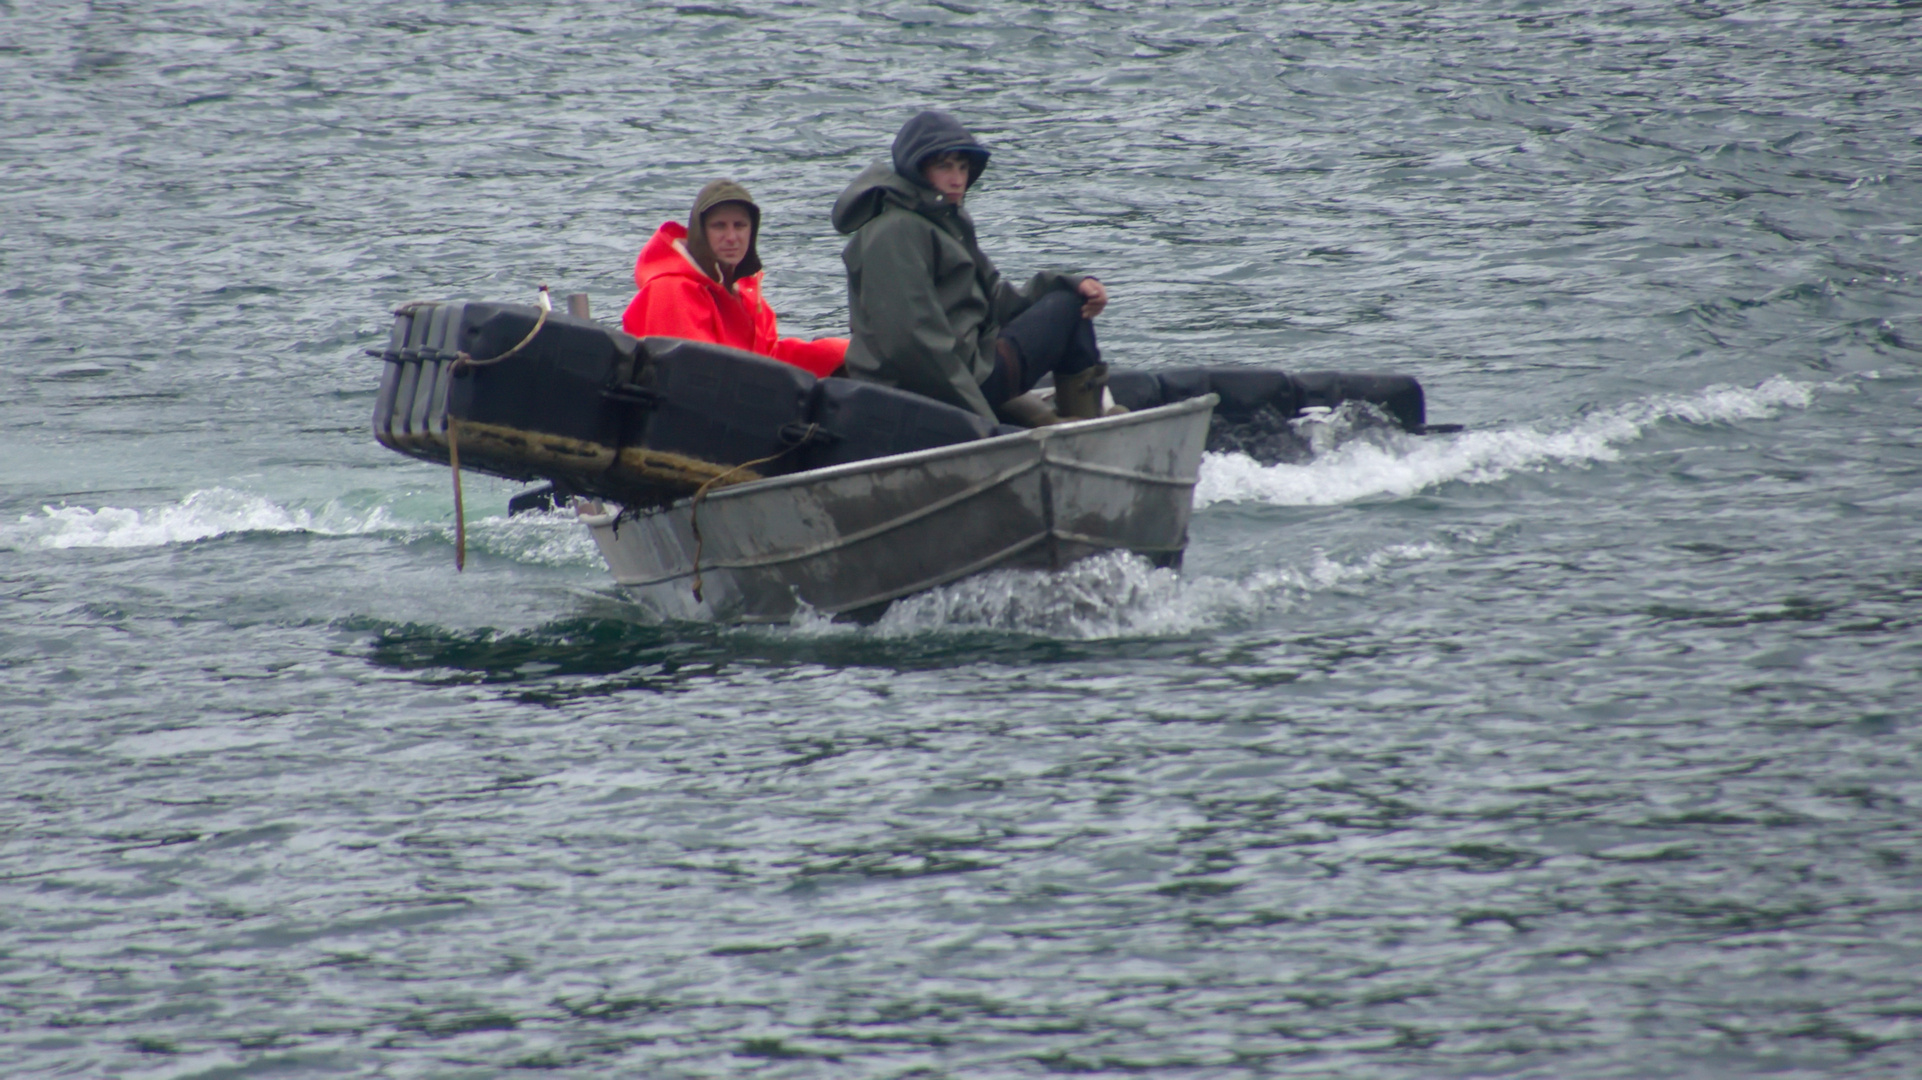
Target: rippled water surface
x=1583, y=743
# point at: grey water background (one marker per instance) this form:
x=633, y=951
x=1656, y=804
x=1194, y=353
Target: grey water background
x=1581, y=744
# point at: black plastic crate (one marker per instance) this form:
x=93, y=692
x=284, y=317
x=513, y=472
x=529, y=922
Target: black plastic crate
x=1400, y=396
x=721, y=405
x=1244, y=391
x=1135, y=390
x=856, y=421
x=555, y=385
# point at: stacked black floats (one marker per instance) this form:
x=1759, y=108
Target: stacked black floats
x=646, y=421
x=638, y=421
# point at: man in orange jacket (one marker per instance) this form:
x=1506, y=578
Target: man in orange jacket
x=702, y=281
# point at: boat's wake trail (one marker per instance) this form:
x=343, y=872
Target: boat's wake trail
x=1375, y=461
x=1121, y=595
x=202, y=515
x=551, y=539
x=1354, y=458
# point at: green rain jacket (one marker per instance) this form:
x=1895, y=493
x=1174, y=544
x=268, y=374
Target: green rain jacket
x=924, y=303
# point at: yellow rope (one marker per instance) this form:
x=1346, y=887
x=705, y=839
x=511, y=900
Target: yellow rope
x=460, y=516
x=462, y=360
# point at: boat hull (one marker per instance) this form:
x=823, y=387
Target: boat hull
x=848, y=540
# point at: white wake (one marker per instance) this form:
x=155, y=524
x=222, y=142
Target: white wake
x=1401, y=464
x=551, y=539
x=1121, y=595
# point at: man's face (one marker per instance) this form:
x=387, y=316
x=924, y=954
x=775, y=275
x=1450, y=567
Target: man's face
x=729, y=231
x=948, y=174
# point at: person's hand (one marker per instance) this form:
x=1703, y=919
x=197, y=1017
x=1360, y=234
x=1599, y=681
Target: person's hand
x=1097, y=297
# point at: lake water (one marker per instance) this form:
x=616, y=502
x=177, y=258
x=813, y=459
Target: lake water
x=1583, y=743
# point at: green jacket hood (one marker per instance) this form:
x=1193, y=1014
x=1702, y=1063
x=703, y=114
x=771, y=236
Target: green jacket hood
x=873, y=190
x=714, y=194
x=898, y=178
x=930, y=133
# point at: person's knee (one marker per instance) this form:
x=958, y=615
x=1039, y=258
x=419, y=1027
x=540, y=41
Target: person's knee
x=1058, y=318
x=1063, y=306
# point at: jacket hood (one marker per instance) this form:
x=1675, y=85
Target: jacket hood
x=711, y=196
x=872, y=191
x=930, y=133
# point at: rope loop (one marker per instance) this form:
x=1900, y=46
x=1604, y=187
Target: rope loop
x=462, y=360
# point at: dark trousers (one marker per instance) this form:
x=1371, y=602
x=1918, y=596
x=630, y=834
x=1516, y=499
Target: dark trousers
x=1050, y=336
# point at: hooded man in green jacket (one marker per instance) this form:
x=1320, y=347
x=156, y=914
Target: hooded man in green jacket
x=928, y=311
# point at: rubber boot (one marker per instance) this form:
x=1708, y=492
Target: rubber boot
x=1027, y=410
x=1078, y=396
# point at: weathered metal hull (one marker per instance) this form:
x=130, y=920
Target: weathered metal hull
x=847, y=540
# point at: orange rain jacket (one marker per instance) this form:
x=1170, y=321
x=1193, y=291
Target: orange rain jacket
x=677, y=300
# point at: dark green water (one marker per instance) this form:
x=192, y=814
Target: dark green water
x=1581, y=744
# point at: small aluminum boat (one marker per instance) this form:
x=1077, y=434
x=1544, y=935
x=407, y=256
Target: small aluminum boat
x=846, y=540
x=746, y=490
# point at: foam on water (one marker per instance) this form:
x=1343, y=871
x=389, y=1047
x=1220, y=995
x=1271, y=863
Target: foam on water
x=549, y=539
x=1121, y=595
x=200, y=516
x=1399, y=464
